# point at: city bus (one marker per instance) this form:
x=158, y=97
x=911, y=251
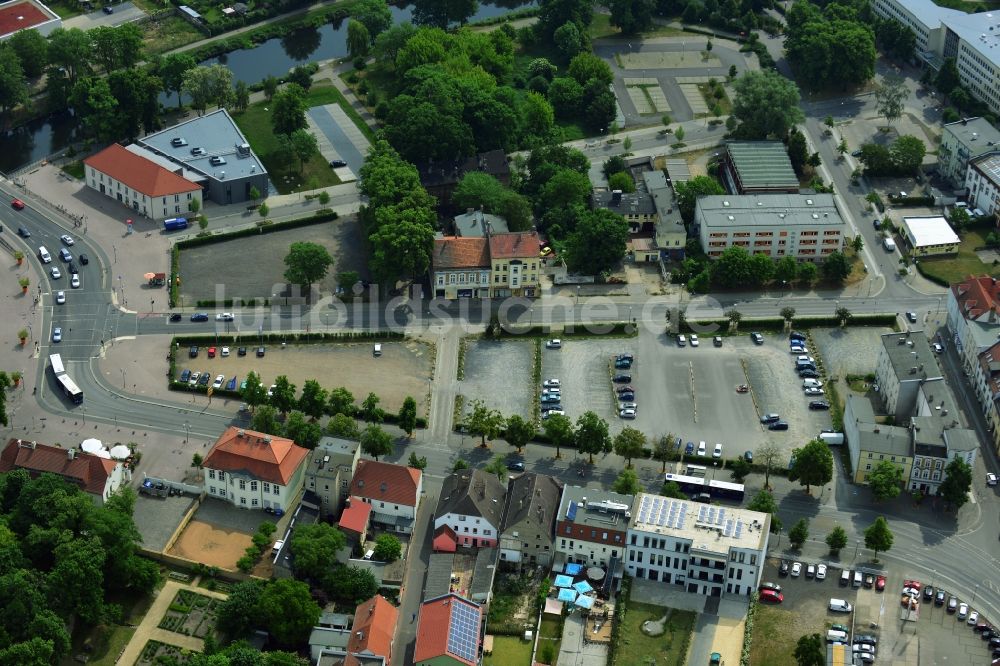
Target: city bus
x=70, y=389
x=694, y=486
x=696, y=470
x=726, y=490
x=55, y=360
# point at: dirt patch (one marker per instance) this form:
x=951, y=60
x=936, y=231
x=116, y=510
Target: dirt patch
x=220, y=271
x=201, y=542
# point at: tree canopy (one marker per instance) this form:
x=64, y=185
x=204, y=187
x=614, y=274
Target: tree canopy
x=885, y=480
x=766, y=104
x=829, y=45
x=813, y=464
x=307, y=263
x=597, y=243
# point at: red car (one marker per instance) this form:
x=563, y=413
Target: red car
x=211, y=352
x=880, y=583
x=915, y=584
x=771, y=597
x=17, y=204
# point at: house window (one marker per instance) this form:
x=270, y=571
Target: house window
x=267, y=487
x=277, y=489
x=243, y=501
x=253, y=486
x=211, y=473
x=243, y=484
x=253, y=502
x=440, y=280
x=451, y=278
x=211, y=490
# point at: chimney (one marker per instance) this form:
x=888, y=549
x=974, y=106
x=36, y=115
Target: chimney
x=71, y=454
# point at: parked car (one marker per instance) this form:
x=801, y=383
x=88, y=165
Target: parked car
x=623, y=364
x=84, y=259
x=626, y=397
x=60, y=297
x=625, y=389
x=771, y=597
x=952, y=604
x=973, y=618
x=757, y=338
x=689, y=448
x=225, y=352
x=219, y=381
x=796, y=569
x=717, y=451
x=819, y=404
x=915, y=584
x=770, y=418
x=869, y=581
x=880, y=583
x=796, y=335
x=211, y=352
x=204, y=379
x=808, y=373
x=336, y=164
x=627, y=413
x=185, y=376
x=242, y=351
x=820, y=572
x=628, y=405
x=694, y=340
x=622, y=379
x=814, y=391
x=866, y=639
x=682, y=340
x=783, y=568
x=74, y=281
x=991, y=479
x=770, y=586
x=748, y=456
x=717, y=341
x=195, y=376
x=963, y=610
x=553, y=344
x=260, y=352
x=928, y=593
x=549, y=398
x=199, y=316
x=552, y=391
x=939, y=597
x=516, y=466
x=778, y=425
x=193, y=352
x=798, y=349
x=551, y=383
x=810, y=571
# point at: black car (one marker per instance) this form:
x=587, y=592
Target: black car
x=23, y=233
x=193, y=352
x=748, y=456
x=84, y=259
x=242, y=351
x=626, y=397
x=185, y=376
x=199, y=316
x=73, y=268
x=928, y=593
x=175, y=316
x=260, y=352
x=778, y=425
x=337, y=163
x=939, y=598
x=866, y=639
x=205, y=378
x=795, y=335
x=622, y=379
x=783, y=569
x=821, y=404
x=515, y=466
x=623, y=364
x=109, y=10
x=625, y=357
x=808, y=373
x=757, y=338
x=770, y=418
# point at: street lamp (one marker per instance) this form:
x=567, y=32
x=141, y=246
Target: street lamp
x=856, y=549
x=123, y=378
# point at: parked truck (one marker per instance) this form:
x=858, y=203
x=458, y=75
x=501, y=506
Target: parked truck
x=175, y=223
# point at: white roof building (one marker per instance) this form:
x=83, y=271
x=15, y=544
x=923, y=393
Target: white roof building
x=930, y=235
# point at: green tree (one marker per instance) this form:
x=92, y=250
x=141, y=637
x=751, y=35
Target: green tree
x=442, y=13
x=732, y=268
x=885, y=480
x=307, y=263
x=565, y=95
x=947, y=77
x=858, y=243
x=799, y=533
x=270, y=86
x=32, y=50
x=739, y=469
x=116, y=47
x=76, y=581
x=587, y=66
x=663, y=451
x=374, y=15
x=315, y=549
x=313, y=399
x=301, y=431
x=843, y=315
x=836, y=267
x=598, y=243
x=621, y=181
x=537, y=115
x=786, y=269
x=387, y=548
x=417, y=462
x=764, y=502
x=836, y=540
x=95, y=104
x=300, y=144
x=568, y=40
x=288, y=611
x=766, y=104
x=254, y=393
x=359, y=40
x=908, y=154
x=343, y=426
x=810, y=651
x=497, y=466
x=237, y=614
x=376, y=442
x=559, y=430
x=518, y=432
x=265, y=420
x=671, y=489
x=629, y=444
x=788, y=314
x=350, y=586
x=408, y=416
x=878, y=537
x=808, y=272
x=288, y=110
x=71, y=50
x=283, y=394
x=401, y=250
x=735, y=317
x=626, y=483
x=889, y=98
x=813, y=465
x=761, y=269
x=211, y=84
x=957, y=483
x=459, y=465
x=591, y=435
x=340, y=401
x=370, y=411
x=483, y=421
x=632, y=16
x=689, y=192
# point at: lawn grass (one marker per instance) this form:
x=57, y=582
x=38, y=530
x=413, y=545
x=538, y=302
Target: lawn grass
x=509, y=650
x=550, y=633
x=601, y=28
x=724, y=104
x=166, y=34
x=775, y=633
x=966, y=263
x=74, y=169
x=286, y=174
x=637, y=649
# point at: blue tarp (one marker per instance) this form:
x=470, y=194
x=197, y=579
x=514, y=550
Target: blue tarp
x=584, y=601
x=563, y=581
x=583, y=587
x=573, y=569
x=567, y=594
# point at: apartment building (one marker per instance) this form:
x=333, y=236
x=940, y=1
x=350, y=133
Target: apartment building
x=460, y=267
x=805, y=226
x=986, y=380
x=329, y=472
x=904, y=365
x=974, y=317
x=471, y=503
x=637, y=208
x=982, y=180
x=392, y=490
x=961, y=142
x=591, y=527
x=704, y=549
x=254, y=470
x=516, y=264
x=870, y=442
x=529, y=519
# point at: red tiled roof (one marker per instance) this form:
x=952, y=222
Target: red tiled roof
x=386, y=482
x=374, y=623
x=976, y=296
x=461, y=252
x=355, y=516
x=432, y=635
x=514, y=245
x=138, y=173
x=445, y=540
x=247, y=451
x=20, y=16
x=88, y=471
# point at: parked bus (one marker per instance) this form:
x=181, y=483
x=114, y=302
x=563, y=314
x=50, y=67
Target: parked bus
x=70, y=389
x=726, y=490
x=696, y=470
x=694, y=486
x=55, y=360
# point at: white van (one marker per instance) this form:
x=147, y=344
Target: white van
x=832, y=438
x=370, y=554
x=889, y=244
x=834, y=636
x=377, y=350
x=857, y=579
x=811, y=383
x=840, y=605
x=44, y=255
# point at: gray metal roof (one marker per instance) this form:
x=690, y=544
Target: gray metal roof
x=597, y=512
x=890, y=440
x=762, y=164
x=472, y=492
x=976, y=134
x=533, y=499
x=768, y=210
x=910, y=356
x=636, y=203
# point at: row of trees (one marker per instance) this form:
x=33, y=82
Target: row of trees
x=902, y=158
x=736, y=267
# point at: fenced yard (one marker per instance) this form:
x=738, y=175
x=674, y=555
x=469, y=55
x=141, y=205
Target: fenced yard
x=638, y=648
x=191, y=614
x=156, y=653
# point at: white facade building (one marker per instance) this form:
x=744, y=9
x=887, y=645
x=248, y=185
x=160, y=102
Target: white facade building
x=253, y=470
x=704, y=549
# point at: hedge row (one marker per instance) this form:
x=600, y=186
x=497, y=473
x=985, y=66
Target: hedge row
x=622, y=328
x=291, y=338
x=911, y=201
x=259, y=229
x=778, y=324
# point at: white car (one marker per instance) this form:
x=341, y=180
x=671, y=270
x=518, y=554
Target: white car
x=553, y=412
x=225, y=352
x=629, y=405
x=973, y=618
x=717, y=453
x=991, y=479
x=67, y=239
x=694, y=339
x=270, y=391
x=820, y=572
x=812, y=390
x=55, y=272
x=56, y=334
x=551, y=383
x=219, y=381
x=796, y=569
x=937, y=347
x=963, y=610
x=810, y=571
x=195, y=376
x=555, y=390
x=555, y=343
x=808, y=359
x=799, y=349
x=702, y=448
x=627, y=413
x=224, y=316
x=75, y=281
x=60, y=297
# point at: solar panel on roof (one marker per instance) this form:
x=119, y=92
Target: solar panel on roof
x=571, y=511
x=739, y=529
x=463, y=631
x=718, y=519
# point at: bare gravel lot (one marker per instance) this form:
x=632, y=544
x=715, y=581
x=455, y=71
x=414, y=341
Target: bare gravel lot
x=849, y=350
x=499, y=373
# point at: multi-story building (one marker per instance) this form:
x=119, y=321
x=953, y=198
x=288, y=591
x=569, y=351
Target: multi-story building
x=367, y=643
x=529, y=520
x=449, y=632
x=329, y=472
x=870, y=442
x=477, y=224
x=805, y=226
x=392, y=490
x=471, y=503
x=135, y=181
x=516, y=266
x=703, y=549
x=671, y=236
x=961, y=142
x=758, y=167
x=460, y=267
x=637, y=208
x=98, y=477
x=974, y=317
x=937, y=440
x=982, y=180
x=986, y=380
x=591, y=525
x=905, y=363
x=253, y=470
